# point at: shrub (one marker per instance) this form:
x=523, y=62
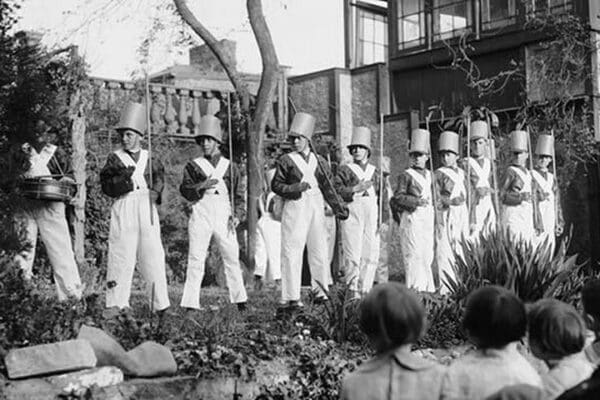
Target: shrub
x=337, y=318
x=444, y=316
x=530, y=272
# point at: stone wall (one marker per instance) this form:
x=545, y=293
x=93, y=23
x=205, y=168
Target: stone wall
x=312, y=94
x=203, y=57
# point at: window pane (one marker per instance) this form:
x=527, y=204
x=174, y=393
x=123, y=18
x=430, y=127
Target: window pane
x=379, y=53
x=367, y=53
x=409, y=6
x=411, y=28
x=367, y=29
x=450, y=18
x=379, y=31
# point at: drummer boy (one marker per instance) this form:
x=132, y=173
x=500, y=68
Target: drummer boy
x=40, y=161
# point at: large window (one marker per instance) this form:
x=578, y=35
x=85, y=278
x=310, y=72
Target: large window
x=450, y=18
x=372, y=37
x=411, y=23
x=552, y=6
x=497, y=13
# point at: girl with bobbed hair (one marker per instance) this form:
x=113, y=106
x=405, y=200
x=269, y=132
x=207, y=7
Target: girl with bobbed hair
x=393, y=318
x=494, y=321
x=557, y=336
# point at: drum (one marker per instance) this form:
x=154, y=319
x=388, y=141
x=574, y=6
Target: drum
x=46, y=188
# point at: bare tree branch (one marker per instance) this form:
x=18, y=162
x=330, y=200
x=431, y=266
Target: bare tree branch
x=228, y=64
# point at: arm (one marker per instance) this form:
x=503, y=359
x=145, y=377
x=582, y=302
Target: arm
x=443, y=188
x=323, y=175
x=402, y=200
x=344, y=182
x=286, y=182
x=511, y=195
x=381, y=188
x=115, y=178
x=233, y=180
x=60, y=163
x=189, y=185
x=158, y=179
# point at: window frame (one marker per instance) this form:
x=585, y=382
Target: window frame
x=421, y=14
x=360, y=38
x=487, y=23
x=438, y=36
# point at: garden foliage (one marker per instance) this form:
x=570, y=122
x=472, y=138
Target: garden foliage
x=531, y=272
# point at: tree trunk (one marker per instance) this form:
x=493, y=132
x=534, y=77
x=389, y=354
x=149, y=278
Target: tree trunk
x=78, y=163
x=268, y=84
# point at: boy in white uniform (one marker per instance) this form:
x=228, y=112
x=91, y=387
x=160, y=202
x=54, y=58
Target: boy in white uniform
x=412, y=207
x=302, y=178
x=207, y=182
x=546, y=187
x=134, y=235
x=453, y=216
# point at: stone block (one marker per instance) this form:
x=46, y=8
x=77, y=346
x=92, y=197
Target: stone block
x=53, y=358
x=77, y=382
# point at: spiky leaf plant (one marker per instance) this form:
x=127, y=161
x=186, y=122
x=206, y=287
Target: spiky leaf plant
x=531, y=271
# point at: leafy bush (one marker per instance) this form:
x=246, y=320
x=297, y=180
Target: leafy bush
x=444, y=316
x=317, y=372
x=531, y=272
x=337, y=318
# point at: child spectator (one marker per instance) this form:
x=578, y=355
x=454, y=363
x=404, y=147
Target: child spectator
x=393, y=318
x=590, y=297
x=557, y=336
x=494, y=320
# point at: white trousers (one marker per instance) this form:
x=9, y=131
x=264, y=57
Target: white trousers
x=455, y=228
x=485, y=218
x=133, y=238
x=548, y=215
x=359, y=242
x=416, y=240
x=518, y=221
x=50, y=220
x=268, y=248
x=381, y=251
x=303, y=224
x=210, y=216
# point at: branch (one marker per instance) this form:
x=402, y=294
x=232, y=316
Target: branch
x=270, y=63
x=228, y=64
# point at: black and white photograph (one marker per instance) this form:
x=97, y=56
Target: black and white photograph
x=300, y=199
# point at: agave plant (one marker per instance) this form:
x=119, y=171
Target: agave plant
x=531, y=271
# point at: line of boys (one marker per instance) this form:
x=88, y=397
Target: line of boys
x=304, y=181
x=456, y=202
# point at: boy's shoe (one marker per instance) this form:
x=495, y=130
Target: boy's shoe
x=258, y=283
x=242, y=306
x=295, y=305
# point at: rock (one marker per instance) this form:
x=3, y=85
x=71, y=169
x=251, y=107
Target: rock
x=53, y=358
x=30, y=389
x=146, y=360
x=152, y=359
x=78, y=382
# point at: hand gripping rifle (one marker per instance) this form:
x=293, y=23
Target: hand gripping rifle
x=339, y=208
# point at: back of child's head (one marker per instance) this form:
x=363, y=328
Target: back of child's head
x=392, y=315
x=590, y=297
x=556, y=329
x=494, y=317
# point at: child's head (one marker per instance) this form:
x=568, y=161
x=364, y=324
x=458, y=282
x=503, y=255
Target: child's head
x=494, y=317
x=556, y=330
x=590, y=297
x=391, y=315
